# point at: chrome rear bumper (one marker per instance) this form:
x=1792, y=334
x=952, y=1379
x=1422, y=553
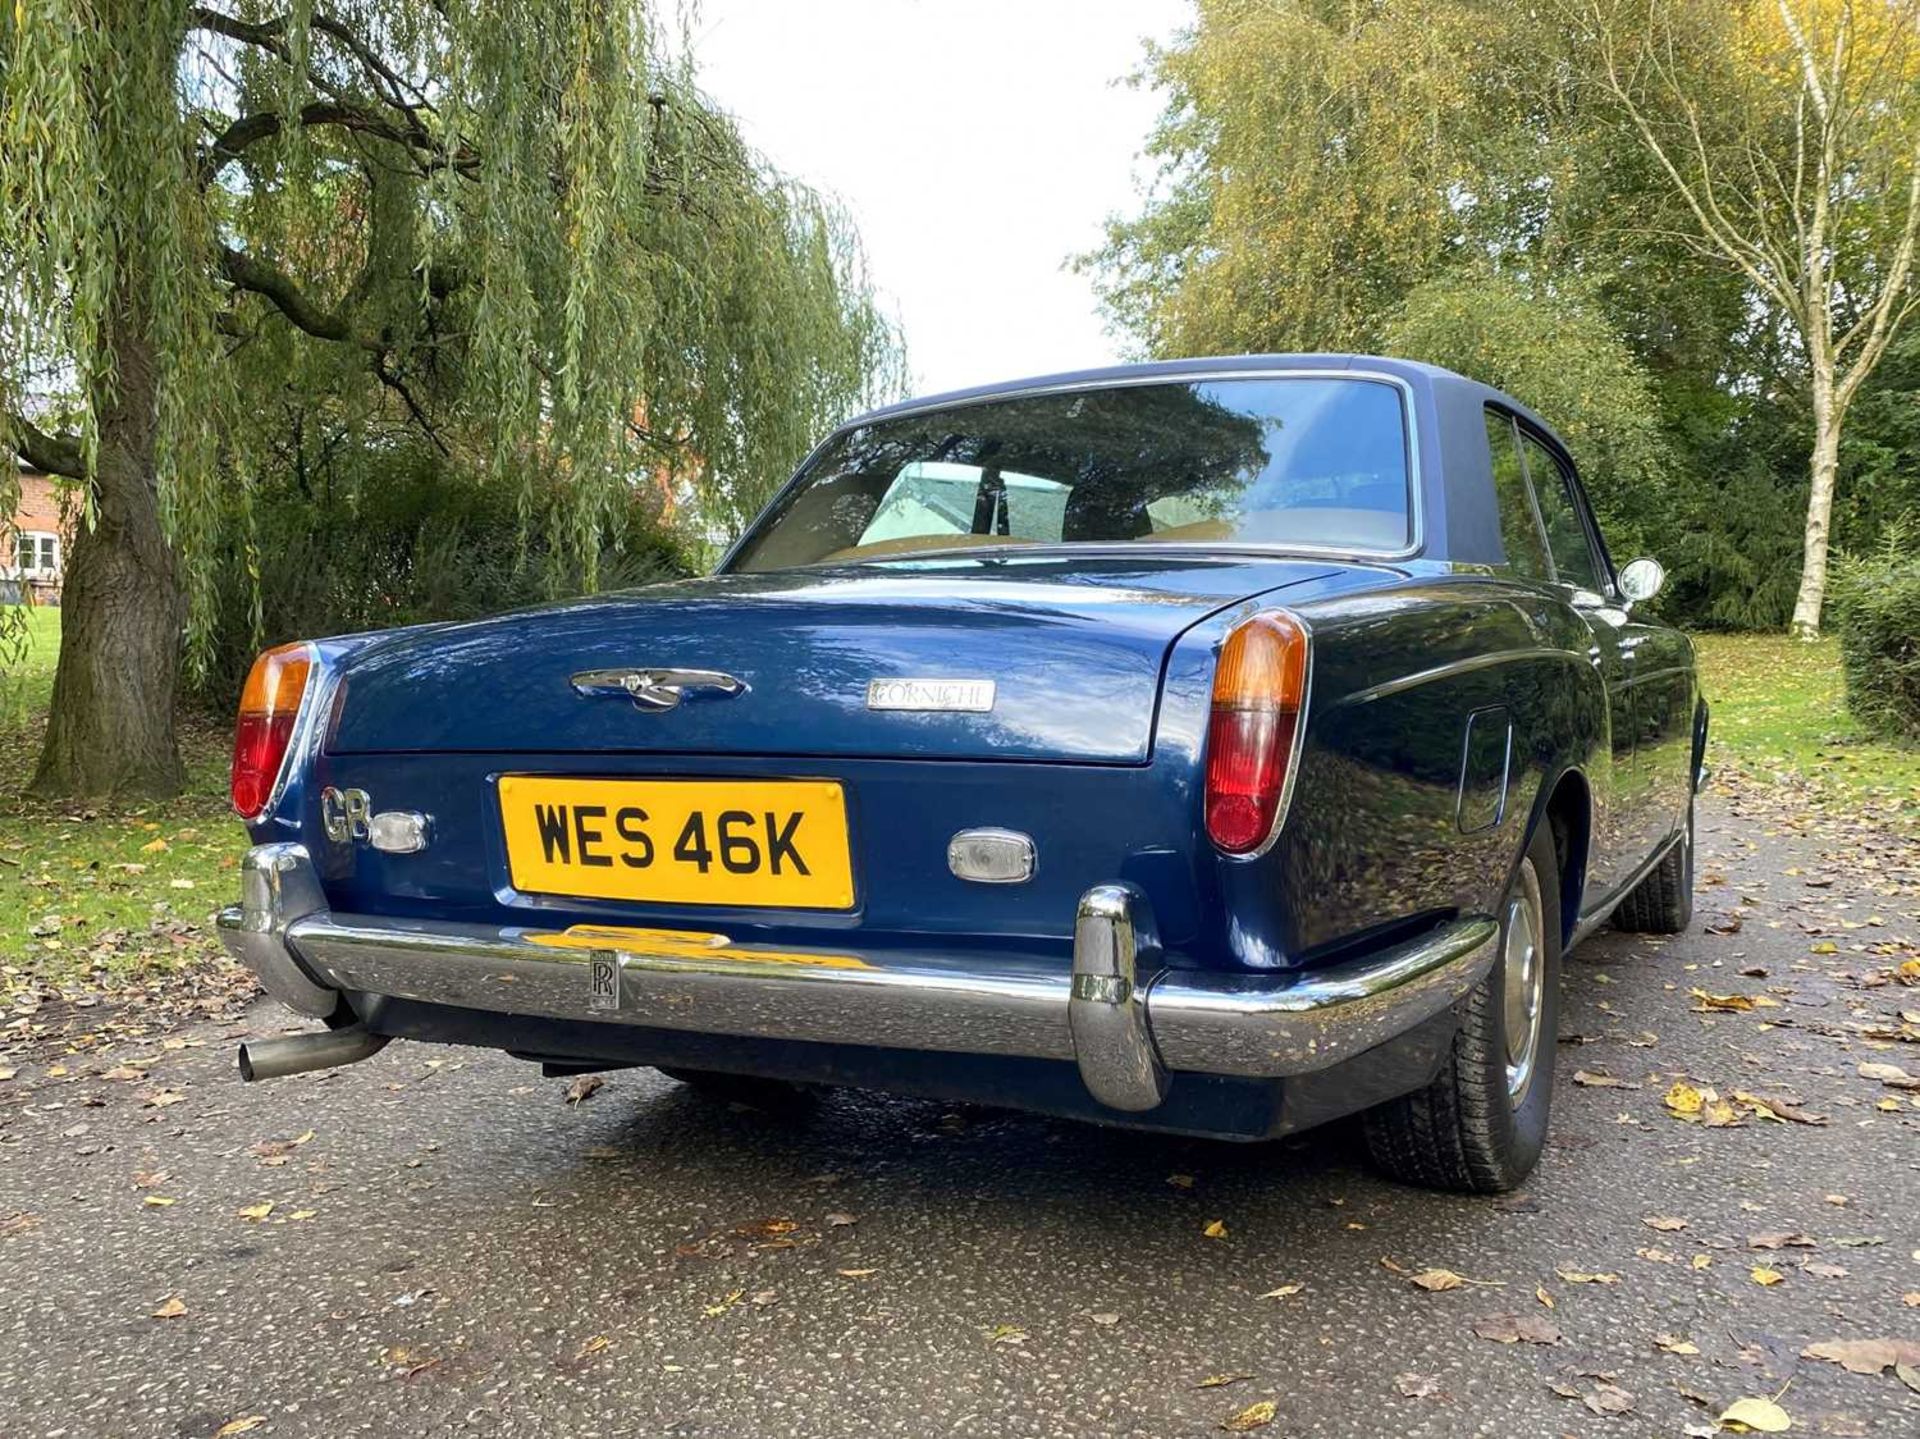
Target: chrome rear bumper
x=1120, y=1015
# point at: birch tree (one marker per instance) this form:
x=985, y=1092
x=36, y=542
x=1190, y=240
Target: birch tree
x=1789, y=132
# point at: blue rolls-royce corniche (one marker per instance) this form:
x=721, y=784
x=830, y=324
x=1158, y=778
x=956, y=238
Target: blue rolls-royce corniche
x=1219, y=747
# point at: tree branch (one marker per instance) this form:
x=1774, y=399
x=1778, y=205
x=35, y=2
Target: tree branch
x=392, y=380
x=256, y=276
x=250, y=129
x=56, y=454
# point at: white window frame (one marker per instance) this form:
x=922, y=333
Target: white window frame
x=45, y=542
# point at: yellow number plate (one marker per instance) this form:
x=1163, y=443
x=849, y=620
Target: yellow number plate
x=777, y=843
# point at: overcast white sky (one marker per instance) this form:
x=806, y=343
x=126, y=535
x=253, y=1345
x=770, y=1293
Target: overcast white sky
x=977, y=143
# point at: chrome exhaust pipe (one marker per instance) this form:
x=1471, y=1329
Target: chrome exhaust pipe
x=298, y=1053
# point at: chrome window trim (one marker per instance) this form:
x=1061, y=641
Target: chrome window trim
x=1410, y=435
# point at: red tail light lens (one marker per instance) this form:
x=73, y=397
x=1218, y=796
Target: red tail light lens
x=1258, y=689
x=268, y=707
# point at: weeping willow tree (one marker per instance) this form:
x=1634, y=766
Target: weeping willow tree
x=511, y=227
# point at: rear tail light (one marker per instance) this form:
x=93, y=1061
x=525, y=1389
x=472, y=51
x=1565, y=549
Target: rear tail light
x=268, y=707
x=1259, y=688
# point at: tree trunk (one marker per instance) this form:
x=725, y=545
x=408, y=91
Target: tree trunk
x=110, y=731
x=1826, y=463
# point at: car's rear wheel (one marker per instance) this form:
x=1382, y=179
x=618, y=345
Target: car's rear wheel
x=776, y=1096
x=1479, y=1127
x=1662, y=903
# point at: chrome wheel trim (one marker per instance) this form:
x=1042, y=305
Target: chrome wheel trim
x=1523, y=982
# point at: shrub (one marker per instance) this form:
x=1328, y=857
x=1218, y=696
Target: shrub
x=1876, y=605
x=402, y=537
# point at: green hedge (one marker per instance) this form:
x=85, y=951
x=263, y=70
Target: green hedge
x=1877, y=610
x=402, y=537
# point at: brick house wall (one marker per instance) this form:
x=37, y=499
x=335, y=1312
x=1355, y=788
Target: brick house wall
x=36, y=524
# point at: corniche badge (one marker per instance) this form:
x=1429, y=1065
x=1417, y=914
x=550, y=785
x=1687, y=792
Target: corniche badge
x=971, y=696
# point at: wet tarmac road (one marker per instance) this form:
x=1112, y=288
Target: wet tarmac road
x=458, y=1250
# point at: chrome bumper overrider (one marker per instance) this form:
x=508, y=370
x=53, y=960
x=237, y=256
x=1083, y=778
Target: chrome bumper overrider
x=1119, y=1014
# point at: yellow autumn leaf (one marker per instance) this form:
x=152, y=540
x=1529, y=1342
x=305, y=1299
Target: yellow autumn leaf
x=156, y=846
x=1765, y=1276
x=172, y=1309
x=1701, y=1261
x=1759, y=1416
x=1683, y=1098
x=1254, y=1416
x=1216, y=1229
x=158, y=1201
x=239, y=1426
x=1574, y=1276
x=256, y=1211
x=1437, y=1280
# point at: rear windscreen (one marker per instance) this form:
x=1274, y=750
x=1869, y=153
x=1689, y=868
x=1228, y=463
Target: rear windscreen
x=1310, y=461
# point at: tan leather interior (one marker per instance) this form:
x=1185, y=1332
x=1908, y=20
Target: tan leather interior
x=908, y=544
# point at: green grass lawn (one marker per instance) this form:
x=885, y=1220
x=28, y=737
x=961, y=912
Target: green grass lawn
x=1779, y=708
x=105, y=892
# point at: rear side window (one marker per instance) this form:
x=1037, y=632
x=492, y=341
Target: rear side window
x=1519, y=524
x=1566, y=533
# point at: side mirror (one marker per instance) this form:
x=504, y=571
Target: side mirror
x=1641, y=580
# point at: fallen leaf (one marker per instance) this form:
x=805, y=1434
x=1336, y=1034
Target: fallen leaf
x=841, y=1221
x=593, y=1346
x=1216, y=1229
x=1865, y=1356
x=1730, y=1003
x=856, y=1273
x=124, y=1071
x=584, y=1087
x=1574, y=1276
x=1778, y=1108
x=1180, y=1181
x=1436, y=1280
x=256, y=1212
x=1514, y=1328
x=1666, y=1224
x=1220, y=1381
x=158, y=1201
x=1761, y=1416
x=1684, y=1099
x=1780, y=1240
x=1891, y=1075
x=1592, y=1080
x=1006, y=1334
x=1764, y=1276
x=1674, y=1344
x=1254, y=1416
x=1540, y=1293
x=172, y=1309
x=1607, y=1399
x=1285, y=1291
x=1823, y=1271
x=1108, y=1318
x=1416, y=1386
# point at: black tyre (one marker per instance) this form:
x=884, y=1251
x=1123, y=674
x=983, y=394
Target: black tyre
x=1480, y=1126
x=1662, y=903
x=775, y=1096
